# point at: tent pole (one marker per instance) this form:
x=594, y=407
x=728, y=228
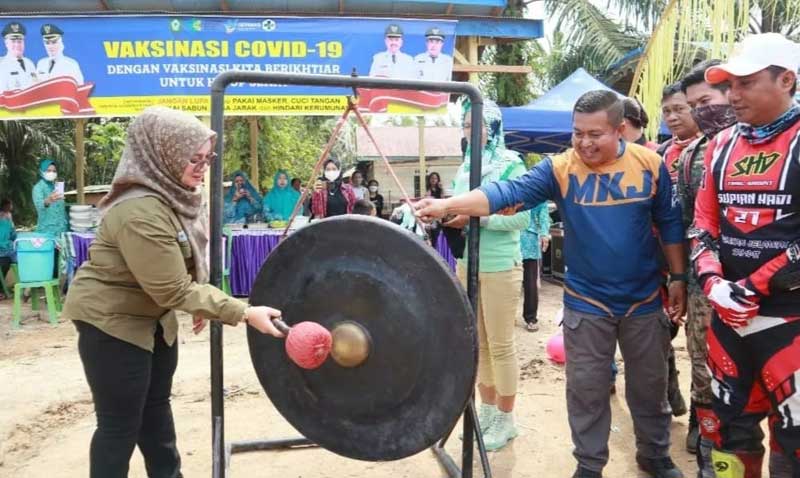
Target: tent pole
x=254, y=174
x=80, y=160
x=423, y=183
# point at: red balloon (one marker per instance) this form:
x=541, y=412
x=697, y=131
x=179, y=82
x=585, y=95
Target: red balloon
x=308, y=344
x=555, y=349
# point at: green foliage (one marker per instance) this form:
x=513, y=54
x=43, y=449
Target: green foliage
x=104, y=142
x=292, y=143
x=509, y=89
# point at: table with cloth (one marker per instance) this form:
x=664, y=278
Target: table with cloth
x=249, y=251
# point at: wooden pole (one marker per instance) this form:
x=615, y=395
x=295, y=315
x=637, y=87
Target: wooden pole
x=254, y=174
x=422, y=172
x=472, y=56
x=80, y=160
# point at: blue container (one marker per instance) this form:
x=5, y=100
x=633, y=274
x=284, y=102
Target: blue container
x=35, y=256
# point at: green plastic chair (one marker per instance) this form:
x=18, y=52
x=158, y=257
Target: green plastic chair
x=51, y=296
x=226, y=267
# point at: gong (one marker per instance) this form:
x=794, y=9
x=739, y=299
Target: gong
x=397, y=308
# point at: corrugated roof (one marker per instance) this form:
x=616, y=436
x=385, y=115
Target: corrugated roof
x=403, y=142
x=476, y=17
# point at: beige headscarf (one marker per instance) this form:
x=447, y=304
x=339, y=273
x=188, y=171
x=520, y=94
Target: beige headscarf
x=160, y=143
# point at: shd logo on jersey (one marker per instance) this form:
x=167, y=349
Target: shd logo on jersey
x=755, y=165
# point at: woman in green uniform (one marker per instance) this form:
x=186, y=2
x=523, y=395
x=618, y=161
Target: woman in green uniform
x=149, y=259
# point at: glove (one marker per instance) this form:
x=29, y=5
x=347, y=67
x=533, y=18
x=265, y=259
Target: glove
x=734, y=303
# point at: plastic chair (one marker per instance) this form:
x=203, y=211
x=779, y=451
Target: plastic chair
x=3, y=284
x=226, y=267
x=51, y=296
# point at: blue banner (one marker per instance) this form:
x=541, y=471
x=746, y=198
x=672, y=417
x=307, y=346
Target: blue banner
x=118, y=65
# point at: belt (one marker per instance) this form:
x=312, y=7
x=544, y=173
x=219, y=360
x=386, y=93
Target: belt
x=605, y=308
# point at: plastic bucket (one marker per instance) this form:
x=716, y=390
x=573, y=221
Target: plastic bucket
x=35, y=257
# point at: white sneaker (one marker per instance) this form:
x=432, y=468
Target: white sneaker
x=500, y=432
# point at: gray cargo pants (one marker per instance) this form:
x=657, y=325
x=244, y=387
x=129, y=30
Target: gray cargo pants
x=590, y=342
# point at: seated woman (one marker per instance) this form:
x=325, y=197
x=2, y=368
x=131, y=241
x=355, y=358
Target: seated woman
x=7, y=236
x=279, y=202
x=242, y=202
x=331, y=196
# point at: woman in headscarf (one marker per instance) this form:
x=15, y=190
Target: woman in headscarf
x=500, y=289
x=148, y=260
x=279, y=202
x=331, y=196
x=242, y=201
x=534, y=242
x=51, y=214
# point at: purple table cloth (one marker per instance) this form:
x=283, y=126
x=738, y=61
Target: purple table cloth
x=443, y=248
x=80, y=246
x=249, y=251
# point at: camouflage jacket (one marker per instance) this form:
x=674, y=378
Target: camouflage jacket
x=690, y=173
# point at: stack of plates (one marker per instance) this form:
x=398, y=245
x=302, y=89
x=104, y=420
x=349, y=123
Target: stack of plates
x=83, y=218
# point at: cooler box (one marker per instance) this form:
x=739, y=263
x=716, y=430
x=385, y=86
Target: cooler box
x=35, y=256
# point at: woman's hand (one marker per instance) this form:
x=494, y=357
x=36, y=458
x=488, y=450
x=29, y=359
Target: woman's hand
x=198, y=324
x=261, y=319
x=545, y=243
x=319, y=185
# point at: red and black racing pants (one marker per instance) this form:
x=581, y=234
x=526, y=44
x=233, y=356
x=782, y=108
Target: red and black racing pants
x=755, y=374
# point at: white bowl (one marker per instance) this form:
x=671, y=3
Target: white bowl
x=81, y=208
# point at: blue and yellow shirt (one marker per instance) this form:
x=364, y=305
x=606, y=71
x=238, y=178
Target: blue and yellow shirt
x=609, y=213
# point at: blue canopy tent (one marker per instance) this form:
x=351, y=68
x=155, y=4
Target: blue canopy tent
x=545, y=124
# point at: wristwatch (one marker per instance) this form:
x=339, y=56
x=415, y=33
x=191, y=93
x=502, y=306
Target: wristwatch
x=683, y=277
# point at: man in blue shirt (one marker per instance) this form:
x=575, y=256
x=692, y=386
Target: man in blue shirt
x=612, y=195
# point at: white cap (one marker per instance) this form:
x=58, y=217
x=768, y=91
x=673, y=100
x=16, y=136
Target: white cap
x=755, y=53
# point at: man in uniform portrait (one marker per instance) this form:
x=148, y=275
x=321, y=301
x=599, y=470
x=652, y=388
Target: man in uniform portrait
x=434, y=65
x=16, y=71
x=393, y=63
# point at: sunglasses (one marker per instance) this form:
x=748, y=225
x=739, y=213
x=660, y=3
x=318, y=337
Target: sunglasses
x=199, y=162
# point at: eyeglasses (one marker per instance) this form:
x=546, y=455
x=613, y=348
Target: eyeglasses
x=199, y=162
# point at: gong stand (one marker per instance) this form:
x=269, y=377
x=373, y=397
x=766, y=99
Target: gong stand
x=220, y=449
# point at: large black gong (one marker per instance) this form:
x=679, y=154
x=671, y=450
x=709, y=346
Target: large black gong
x=421, y=369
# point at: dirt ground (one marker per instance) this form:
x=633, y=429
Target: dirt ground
x=46, y=417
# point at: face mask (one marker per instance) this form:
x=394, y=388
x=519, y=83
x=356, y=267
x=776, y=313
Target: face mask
x=332, y=175
x=373, y=189
x=711, y=119
x=50, y=176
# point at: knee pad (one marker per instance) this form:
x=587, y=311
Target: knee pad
x=737, y=464
x=708, y=423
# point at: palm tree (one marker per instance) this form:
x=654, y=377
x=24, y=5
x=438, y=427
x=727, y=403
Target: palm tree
x=22, y=144
x=608, y=43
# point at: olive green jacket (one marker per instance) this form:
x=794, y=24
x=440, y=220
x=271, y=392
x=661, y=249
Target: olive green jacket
x=139, y=273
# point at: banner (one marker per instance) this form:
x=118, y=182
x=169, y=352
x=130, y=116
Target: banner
x=118, y=65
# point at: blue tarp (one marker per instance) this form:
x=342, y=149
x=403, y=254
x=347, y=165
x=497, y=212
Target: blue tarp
x=545, y=124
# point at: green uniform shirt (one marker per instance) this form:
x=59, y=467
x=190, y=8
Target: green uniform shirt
x=138, y=273
x=690, y=173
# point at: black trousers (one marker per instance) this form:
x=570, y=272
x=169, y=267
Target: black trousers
x=131, y=390
x=530, y=286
